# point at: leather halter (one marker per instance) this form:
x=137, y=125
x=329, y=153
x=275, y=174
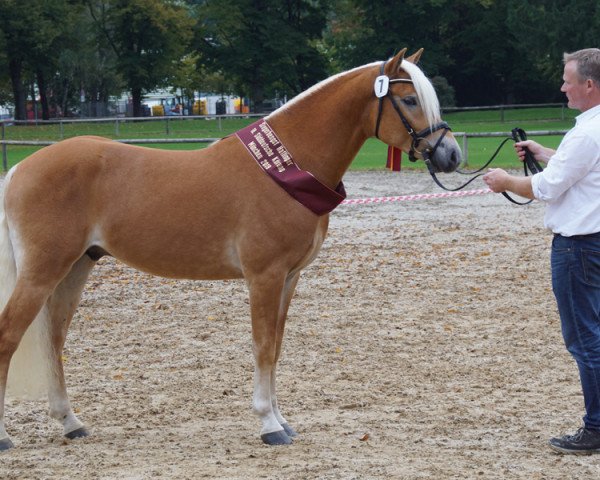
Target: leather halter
x=417, y=137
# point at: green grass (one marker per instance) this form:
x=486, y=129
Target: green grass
x=371, y=156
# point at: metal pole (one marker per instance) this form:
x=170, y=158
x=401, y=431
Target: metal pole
x=465, y=149
x=117, y=127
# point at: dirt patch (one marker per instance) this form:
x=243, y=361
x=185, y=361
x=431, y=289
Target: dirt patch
x=423, y=342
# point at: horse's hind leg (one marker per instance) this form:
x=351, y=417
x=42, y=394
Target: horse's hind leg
x=61, y=308
x=25, y=303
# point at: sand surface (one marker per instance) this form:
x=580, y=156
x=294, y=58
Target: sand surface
x=423, y=342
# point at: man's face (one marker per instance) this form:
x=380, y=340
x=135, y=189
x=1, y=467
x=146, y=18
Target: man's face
x=574, y=88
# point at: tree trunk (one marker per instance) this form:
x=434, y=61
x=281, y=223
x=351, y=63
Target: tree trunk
x=65, y=99
x=258, y=97
x=41, y=83
x=16, y=80
x=136, y=99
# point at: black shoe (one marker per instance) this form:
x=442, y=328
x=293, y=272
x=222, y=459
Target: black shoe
x=583, y=442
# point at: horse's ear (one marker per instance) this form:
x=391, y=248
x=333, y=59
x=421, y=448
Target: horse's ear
x=392, y=67
x=415, y=57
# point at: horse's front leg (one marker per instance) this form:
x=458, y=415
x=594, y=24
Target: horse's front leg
x=266, y=298
x=288, y=293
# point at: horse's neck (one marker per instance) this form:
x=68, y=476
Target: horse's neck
x=325, y=130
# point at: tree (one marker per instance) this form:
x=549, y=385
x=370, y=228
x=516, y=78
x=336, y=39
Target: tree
x=26, y=31
x=5, y=87
x=149, y=38
x=362, y=31
x=483, y=57
x=32, y=33
x=60, y=33
x=541, y=32
x=266, y=47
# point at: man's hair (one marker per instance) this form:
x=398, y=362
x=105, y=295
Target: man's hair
x=588, y=63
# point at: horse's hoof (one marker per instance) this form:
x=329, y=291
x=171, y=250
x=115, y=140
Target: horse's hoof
x=79, y=433
x=289, y=430
x=6, y=444
x=276, y=438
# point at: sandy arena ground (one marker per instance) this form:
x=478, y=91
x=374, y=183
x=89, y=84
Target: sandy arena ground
x=423, y=343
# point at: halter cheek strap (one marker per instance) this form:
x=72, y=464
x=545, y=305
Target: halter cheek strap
x=382, y=83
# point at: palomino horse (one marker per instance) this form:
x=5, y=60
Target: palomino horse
x=206, y=214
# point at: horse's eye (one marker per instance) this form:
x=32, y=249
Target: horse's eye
x=410, y=101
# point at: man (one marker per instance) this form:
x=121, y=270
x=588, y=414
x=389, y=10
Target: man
x=570, y=187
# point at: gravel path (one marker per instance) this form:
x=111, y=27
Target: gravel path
x=423, y=342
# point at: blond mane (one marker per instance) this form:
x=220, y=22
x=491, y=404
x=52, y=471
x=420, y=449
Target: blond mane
x=425, y=91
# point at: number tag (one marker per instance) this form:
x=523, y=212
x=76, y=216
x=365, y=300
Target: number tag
x=382, y=85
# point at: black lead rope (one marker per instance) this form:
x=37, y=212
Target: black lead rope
x=530, y=165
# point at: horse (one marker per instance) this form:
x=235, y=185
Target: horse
x=207, y=214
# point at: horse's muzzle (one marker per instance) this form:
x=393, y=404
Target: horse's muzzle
x=447, y=157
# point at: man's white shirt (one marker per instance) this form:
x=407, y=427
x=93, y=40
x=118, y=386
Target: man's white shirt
x=570, y=183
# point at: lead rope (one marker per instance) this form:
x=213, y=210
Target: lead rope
x=530, y=165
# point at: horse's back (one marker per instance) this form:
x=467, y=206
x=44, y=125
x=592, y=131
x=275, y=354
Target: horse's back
x=89, y=162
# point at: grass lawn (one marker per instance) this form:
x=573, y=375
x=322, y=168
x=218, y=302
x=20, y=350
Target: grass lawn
x=371, y=156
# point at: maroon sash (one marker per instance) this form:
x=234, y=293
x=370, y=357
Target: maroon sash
x=271, y=155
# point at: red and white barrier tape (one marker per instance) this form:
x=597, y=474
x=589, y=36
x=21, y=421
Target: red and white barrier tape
x=423, y=196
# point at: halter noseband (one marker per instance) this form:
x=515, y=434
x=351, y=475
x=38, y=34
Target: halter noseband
x=417, y=137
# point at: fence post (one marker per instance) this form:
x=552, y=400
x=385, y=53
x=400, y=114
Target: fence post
x=4, y=153
x=117, y=127
x=168, y=126
x=61, y=129
x=465, y=149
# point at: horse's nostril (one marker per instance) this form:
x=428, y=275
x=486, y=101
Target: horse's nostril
x=457, y=158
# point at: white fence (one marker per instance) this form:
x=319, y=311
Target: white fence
x=459, y=135
x=167, y=126
x=532, y=133
x=45, y=143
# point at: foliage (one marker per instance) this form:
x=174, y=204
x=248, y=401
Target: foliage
x=542, y=31
x=362, y=31
x=479, y=52
x=149, y=38
x=31, y=32
x=266, y=48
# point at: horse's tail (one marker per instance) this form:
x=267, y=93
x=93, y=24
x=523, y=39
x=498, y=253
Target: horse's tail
x=27, y=376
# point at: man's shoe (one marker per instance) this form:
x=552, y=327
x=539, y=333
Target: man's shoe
x=583, y=442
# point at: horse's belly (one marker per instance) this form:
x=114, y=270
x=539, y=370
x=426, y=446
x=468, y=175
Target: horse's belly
x=192, y=269
x=175, y=253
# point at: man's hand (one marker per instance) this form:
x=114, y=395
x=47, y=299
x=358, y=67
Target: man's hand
x=540, y=153
x=497, y=180
x=500, y=181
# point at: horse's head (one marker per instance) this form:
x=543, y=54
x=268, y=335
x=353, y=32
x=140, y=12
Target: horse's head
x=413, y=123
